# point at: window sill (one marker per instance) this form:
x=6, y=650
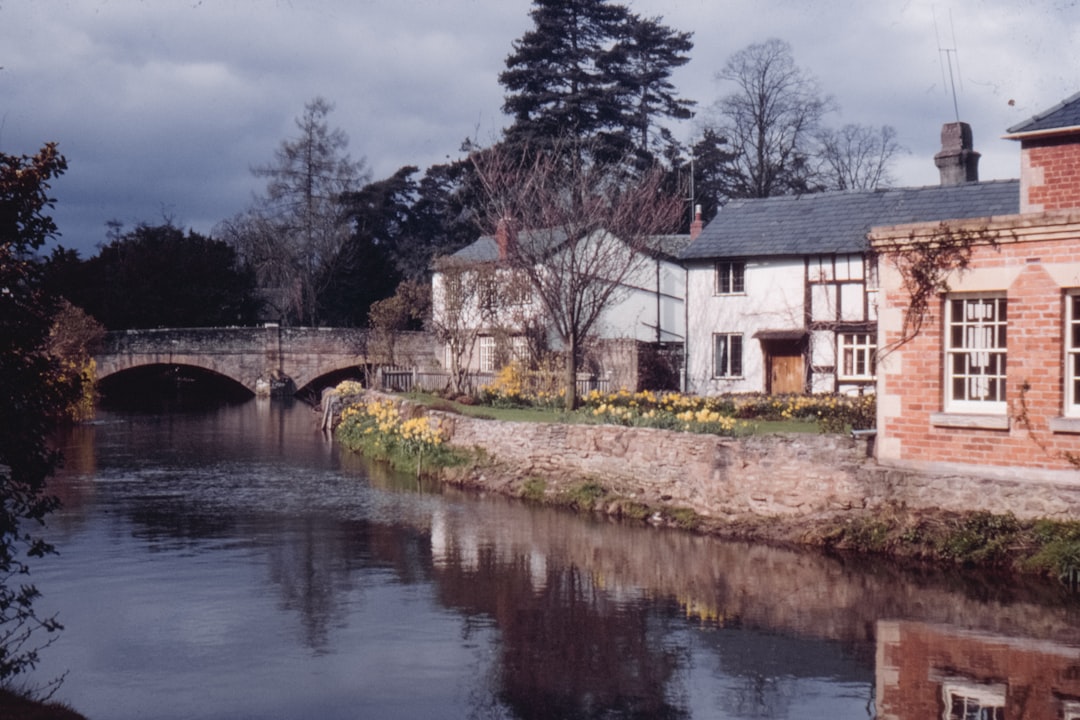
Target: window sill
x=971, y=421
x=1065, y=425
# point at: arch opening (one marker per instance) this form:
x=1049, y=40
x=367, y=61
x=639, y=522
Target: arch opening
x=169, y=387
x=312, y=392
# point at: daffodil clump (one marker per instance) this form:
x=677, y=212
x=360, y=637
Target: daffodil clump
x=377, y=429
x=728, y=414
x=514, y=386
x=645, y=410
x=347, y=388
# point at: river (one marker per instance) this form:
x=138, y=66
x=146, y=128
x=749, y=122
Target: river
x=234, y=563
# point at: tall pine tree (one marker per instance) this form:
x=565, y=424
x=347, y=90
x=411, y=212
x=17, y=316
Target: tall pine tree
x=640, y=66
x=595, y=74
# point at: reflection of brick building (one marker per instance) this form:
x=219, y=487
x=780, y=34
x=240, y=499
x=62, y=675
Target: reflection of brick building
x=931, y=671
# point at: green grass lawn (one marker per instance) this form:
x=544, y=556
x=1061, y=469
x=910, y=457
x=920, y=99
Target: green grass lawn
x=544, y=415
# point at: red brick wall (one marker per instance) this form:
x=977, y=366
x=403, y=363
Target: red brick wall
x=911, y=383
x=1050, y=174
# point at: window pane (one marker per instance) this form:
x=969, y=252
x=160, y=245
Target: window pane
x=736, y=355
x=721, y=355
x=737, y=277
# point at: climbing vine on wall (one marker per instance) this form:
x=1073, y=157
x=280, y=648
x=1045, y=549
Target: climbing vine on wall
x=925, y=265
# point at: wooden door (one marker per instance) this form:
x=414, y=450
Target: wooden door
x=786, y=374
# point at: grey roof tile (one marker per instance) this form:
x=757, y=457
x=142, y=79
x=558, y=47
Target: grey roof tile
x=486, y=249
x=1065, y=114
x=837, y=222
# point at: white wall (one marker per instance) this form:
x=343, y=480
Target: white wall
x=633, y=314
x=773, y=301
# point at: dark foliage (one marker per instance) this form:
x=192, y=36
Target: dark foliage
x=34, y=393
x=592, y=70
x=156, y=276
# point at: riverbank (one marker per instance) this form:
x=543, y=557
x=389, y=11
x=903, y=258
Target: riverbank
x=1045, y=548
x=821, y=491
x=14, y=706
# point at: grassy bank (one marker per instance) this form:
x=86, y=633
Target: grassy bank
x=1045, y=548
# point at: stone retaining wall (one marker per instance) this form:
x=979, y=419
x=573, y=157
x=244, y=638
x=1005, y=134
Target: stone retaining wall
x=778, y=475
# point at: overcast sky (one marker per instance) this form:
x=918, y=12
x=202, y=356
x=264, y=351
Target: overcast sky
x=163, y=106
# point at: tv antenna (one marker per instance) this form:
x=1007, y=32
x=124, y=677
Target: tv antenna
x=950, y=54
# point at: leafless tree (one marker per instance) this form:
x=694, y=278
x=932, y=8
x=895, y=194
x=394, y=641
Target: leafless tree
x=857, y=157
x=299, y=226
x=577, y=230
x=460, y=313
x=388, y=318
x=769, y=120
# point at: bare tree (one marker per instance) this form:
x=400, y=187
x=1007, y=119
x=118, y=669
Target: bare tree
x=300, y=225
x=770, y=121
x=577, y=230
x=460, y=312
x=857, y=157
x=388, y=318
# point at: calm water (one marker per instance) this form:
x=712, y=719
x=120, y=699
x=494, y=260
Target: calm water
x=234, y=564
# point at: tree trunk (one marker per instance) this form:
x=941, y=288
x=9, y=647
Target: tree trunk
x=570, y=378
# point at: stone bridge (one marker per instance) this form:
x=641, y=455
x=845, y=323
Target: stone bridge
x=265, y=360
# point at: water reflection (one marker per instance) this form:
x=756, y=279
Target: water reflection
x=236, y=552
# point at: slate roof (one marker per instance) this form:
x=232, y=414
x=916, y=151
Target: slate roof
x=1066, y=114
x=486, y=248
x=837, y=222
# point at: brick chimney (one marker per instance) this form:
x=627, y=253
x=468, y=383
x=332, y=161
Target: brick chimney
x=957, y=162
x=505, y=237
x=696, y=226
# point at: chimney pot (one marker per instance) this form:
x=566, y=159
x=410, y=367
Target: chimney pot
x=696, y=226
x=957, y=162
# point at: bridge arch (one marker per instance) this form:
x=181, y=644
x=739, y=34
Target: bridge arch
x=160, y=373
x=264, y=360
x=113, y=367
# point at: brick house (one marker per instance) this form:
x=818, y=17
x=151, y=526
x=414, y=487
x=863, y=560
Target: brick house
x=782, y=291
x=991, y=383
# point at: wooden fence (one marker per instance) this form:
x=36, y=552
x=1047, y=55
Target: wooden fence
x=408, y=380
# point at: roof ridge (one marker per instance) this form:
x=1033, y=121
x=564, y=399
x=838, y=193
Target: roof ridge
x=1019, y=127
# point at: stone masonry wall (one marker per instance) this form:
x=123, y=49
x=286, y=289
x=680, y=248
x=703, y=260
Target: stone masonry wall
x=780, y=475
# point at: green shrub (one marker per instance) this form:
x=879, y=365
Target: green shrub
x=534, y=489
x=585, y=495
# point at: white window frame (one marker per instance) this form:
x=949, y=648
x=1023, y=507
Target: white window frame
x=519, y=348
x=731, y=273
x=732, y=359
x=1072, y=354
x=976, y=353
x=862, y=347
x=486, y=345
x=975, y=697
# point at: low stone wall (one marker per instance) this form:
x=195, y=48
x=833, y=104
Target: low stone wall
x=777, y=475
x=714, y=476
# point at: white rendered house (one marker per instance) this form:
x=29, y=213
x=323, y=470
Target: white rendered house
x=782, y=291
x=647, y=305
